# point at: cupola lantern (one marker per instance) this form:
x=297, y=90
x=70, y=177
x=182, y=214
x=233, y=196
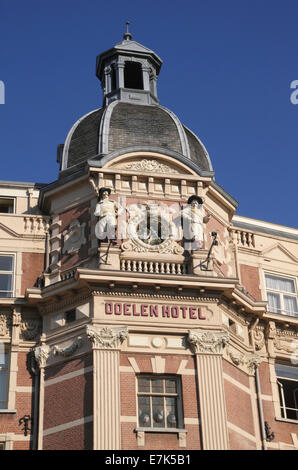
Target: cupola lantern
x=128, y=72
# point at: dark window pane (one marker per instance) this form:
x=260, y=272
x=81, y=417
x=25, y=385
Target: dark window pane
x=283, y=370
x=6, y=206
x=6, y=263
x=133, y=75
x=70, y=316
x=5, y=282
x=158, y=412
x=157, y=385
x=171, y=412
x=144, y=385
x=144, y=412
x=171, y=386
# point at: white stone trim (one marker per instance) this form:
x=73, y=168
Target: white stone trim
x=236, y=383
x=128, y=419
x=68, y=140
x=243, y=433
x=182, y=368
x=191, y=421
x=69, y=425
x=134, y=365
x=105, y=128
x=68, y=376
x=183, y=139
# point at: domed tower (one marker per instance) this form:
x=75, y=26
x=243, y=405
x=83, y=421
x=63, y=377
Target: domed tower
x=131, y=118
x=139, y=255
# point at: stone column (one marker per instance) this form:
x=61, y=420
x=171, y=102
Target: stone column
x=208, y=346
x=106, y=343
x=41, y=355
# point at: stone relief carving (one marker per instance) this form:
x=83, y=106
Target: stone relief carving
x=70, y=350
x=106, y=337
x=150, y=228
x=283, y=340
x=5, y=324
x=259, y=339
x=42, y=353
x=148, y=166
x=251, y=360
x=74, y=237
x=30, y=329
x=208, y=342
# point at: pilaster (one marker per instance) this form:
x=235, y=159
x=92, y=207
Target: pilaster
x=106, y=343
x=208, y=348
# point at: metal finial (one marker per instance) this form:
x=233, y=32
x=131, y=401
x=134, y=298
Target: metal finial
x=127, y=36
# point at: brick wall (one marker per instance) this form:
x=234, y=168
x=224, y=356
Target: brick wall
x=32, y=267
x=250, y=280
x=67, y=401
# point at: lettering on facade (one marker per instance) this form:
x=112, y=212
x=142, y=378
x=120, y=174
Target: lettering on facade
x=154, y=310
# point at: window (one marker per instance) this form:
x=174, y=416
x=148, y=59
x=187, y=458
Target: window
x=6, y=275
x=287, y=381
x=281, y=295
x=133, y=75
x=3, y=375
x=70, y=316
x=159, y=402
x=6, y=205
x=2, y=446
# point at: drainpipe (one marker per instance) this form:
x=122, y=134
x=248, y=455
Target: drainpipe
x=35, y=371
x=258, y=390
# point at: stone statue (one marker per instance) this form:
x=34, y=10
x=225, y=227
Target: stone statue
x=107, y=212
x=193, y=218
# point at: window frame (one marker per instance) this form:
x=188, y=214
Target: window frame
x=11, y=198
x=281, y=293
x=283, y=401
x=178, y=395
x=4, y=403
x=12, y=291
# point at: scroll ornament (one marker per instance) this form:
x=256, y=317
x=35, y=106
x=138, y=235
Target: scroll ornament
x=106, y=337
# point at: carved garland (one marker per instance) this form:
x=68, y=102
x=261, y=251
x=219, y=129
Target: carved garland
x=70, y=350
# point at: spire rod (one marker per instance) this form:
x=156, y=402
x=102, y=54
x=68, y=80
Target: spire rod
x=127, y=36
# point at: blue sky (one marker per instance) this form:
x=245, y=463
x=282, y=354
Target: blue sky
x=227, y=70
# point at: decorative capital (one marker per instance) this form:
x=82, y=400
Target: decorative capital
x=42, y=353
x=253, y=361
x=207, y=342
x=106, y=337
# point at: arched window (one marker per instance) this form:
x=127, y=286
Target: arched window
x=133, y=76
x=113, y=77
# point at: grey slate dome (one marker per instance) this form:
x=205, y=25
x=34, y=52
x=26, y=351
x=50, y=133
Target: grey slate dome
x=131, y=118
x=130, y=126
